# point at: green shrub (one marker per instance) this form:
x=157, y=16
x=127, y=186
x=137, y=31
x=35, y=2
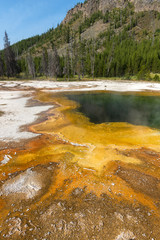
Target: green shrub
x=156, y=78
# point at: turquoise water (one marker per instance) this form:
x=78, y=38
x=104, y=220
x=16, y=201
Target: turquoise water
x=116, y=107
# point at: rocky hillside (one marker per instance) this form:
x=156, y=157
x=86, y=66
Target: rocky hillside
x=94, y=17
x=102, y=38
x=91, y=6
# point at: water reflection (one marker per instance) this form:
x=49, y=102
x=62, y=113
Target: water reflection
x=116, y=107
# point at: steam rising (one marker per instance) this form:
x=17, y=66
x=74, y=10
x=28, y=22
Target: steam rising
x=113, y=107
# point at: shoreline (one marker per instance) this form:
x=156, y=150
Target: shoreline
x=13, y=93
x=98, y=85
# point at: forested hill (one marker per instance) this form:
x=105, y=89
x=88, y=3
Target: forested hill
x=97, y=38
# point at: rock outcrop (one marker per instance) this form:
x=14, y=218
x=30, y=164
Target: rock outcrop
x=89, y=7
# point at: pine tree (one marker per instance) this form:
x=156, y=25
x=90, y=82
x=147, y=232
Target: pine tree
x=9, y=58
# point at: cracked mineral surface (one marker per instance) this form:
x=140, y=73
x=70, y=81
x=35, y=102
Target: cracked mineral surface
x=63, y=177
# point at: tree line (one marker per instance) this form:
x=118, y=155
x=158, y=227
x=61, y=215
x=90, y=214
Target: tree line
x=8, y=64
x=12, y=66
x=122, y=56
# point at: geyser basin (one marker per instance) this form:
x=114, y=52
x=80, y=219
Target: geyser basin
x=116, y=107
x=80, y=178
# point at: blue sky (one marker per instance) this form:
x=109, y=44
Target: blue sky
x=25, y=18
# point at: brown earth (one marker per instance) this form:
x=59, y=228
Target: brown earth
x=81, y=181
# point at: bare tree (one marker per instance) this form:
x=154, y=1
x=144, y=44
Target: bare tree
x=50, y=64
x=53, y=63
x=92, y=57
x=1, y=66
x=83, y=57
x=79, y=60
x=110, y=58
x=56, y=62
x=75, y=56
x=153, y=27
x=9, y=58
x=66, y=68
x=44, y=62
x=72, y=45
x=31, y=65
